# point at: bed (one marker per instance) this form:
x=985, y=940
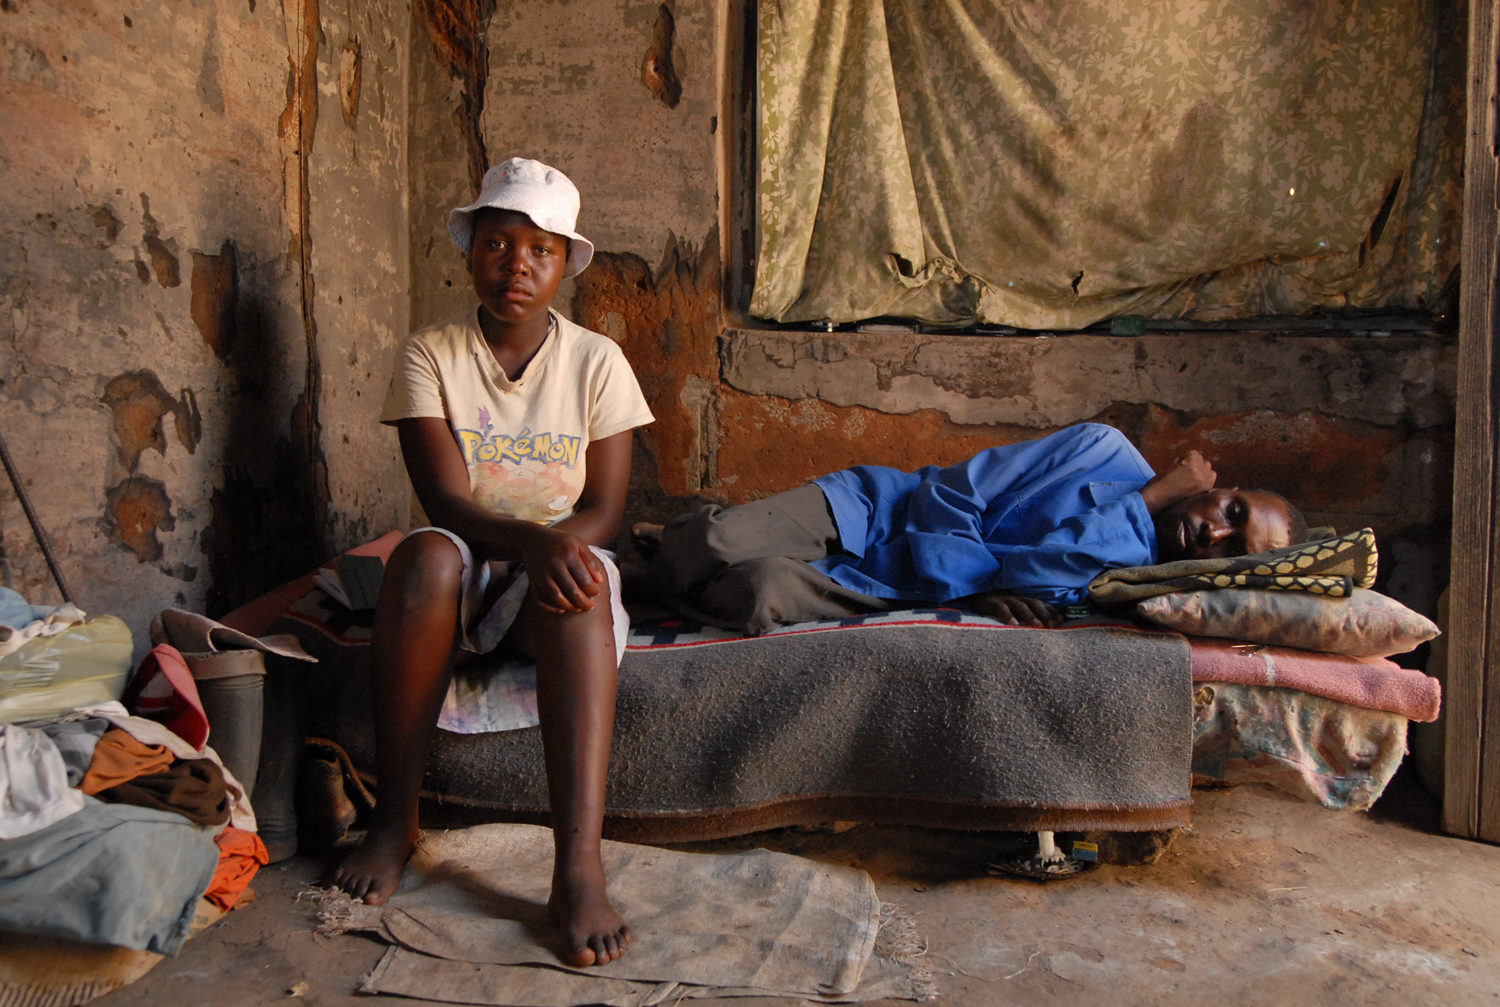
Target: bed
x=930, y=717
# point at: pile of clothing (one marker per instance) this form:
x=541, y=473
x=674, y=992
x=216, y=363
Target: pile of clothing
x=113, y=826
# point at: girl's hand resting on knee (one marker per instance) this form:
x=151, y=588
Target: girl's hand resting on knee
x=565, y=574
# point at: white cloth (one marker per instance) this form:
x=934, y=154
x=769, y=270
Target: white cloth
x=22, y=622
x=149, y=732
x=524, y=441
x=502, y=697
x=34, y=789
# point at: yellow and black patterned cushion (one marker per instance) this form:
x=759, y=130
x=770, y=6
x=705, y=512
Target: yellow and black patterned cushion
x=1330, y=567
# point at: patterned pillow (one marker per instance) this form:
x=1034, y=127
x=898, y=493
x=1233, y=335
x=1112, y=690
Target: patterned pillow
x=1366, y=624
x=1331, y=567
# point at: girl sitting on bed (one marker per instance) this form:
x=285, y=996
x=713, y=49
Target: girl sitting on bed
x=515, y=426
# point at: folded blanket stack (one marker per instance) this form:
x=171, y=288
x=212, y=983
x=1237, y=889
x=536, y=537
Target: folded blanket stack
x=1314, y=597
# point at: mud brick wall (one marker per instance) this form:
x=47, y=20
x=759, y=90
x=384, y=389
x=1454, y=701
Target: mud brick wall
x=1359, y=430
x=203, y=269
x=225, y=213
x=1356, y=430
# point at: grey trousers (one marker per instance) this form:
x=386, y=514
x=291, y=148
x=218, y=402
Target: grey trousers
x=747, y=567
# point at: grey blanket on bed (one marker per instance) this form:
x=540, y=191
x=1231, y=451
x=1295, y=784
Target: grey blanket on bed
x=955, y=723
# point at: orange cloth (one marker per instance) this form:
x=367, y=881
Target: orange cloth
x=241, y=854
x=119, y=758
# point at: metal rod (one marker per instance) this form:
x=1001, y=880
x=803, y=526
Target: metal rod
x=36, y=523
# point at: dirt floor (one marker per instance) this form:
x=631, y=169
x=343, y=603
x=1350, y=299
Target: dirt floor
x=1267, y=899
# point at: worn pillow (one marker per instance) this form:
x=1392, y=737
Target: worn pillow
x=1366, y=624
x=1330, y=567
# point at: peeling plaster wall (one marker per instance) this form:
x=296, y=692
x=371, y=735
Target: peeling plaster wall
x=133, y=166
x=446, y=150
x=228, y=212
x=153, y=348
x=576, y=85
x=357, y=199
x=619, y=94
x=1357, y=430
x=623, y=96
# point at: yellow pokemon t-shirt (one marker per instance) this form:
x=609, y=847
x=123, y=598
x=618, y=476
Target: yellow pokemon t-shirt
x=523, y=441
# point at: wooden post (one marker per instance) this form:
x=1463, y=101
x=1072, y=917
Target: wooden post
x=1471, y=800
x=739, y=157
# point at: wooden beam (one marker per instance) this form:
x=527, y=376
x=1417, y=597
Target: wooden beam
x=1471, y=800
x=739, y=153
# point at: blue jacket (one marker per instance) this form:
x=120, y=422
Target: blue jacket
x=1041, y=518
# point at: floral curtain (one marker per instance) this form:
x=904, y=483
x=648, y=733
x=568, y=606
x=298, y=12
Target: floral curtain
x=1051, y=163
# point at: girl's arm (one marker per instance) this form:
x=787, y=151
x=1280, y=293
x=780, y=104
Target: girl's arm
x=565, y=575
x=601, y=506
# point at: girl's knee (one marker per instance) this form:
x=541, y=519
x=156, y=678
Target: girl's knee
x=427, y=548
x=424, y=563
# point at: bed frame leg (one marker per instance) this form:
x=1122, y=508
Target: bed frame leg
x=1046, y=849
x=1048, y=863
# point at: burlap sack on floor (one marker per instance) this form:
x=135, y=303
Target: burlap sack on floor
x=470, y=926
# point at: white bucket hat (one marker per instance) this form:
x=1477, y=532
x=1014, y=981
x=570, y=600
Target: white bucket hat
x=538, y=190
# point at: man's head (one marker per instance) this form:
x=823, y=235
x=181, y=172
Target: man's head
x=1227, y=522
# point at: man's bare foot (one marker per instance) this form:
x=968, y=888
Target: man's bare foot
x=647, y=537
x=373, y=871
x=593, y=932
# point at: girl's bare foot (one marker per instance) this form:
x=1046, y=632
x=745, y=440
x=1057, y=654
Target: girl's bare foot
x=373, y=871
x=593, y=933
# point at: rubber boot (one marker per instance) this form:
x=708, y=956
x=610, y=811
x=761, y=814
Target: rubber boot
x=235, y=711
x=281, y=751
x=256, y=718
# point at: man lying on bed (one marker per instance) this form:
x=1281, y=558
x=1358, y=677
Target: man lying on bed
x=1012, y=533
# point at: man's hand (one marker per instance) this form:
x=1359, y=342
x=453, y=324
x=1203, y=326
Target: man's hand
x=1189, y=475
x=565, y=574
x=1013, y=610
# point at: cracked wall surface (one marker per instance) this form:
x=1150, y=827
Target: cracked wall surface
x=623, y=97
x=447, y=154
x=1359, y=429
x=619, y=94
x=1049, y=382
x=357, y=200
x=566, y=87
x=228, y=213
x=666, y=320
x=153, y=345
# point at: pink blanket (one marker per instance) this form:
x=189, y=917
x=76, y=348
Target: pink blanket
x=1374, y=683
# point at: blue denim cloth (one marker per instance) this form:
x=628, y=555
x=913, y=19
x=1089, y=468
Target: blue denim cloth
x=109, y=874
x=1041, y=518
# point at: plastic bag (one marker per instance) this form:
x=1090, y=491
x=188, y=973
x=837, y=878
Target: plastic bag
x=51, y=675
